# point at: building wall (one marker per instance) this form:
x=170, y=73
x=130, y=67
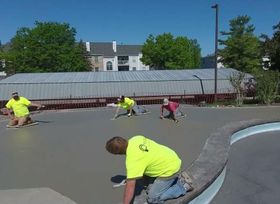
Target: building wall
x=111, y=59
x=96, y=63
x=134, y=63
x=99, y=63
x=113, y=89
x=141, y=65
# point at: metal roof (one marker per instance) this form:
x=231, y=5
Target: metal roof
x=113, y=84
x=128, y=76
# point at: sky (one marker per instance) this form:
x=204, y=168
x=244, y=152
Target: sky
x=130, y=22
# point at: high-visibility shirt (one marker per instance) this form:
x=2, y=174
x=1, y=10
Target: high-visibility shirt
x=146, y=157
x=127, y=103
x=19, y=107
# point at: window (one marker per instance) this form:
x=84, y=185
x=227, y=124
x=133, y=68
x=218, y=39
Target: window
x=134, y=68
x=96, y=59
x=109, y=66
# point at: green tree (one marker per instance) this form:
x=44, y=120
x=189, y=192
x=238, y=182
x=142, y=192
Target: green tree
x=241, y=48
x=166, y=52
x=271, y=47
x=48, y=47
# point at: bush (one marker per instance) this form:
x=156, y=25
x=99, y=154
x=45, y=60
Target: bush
x=267, y=86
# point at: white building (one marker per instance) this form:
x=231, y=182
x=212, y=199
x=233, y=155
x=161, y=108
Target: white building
x=108, y=56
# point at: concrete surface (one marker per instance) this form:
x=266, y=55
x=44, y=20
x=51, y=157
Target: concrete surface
x=33, y=196
x=66, y=151
x=252, y=174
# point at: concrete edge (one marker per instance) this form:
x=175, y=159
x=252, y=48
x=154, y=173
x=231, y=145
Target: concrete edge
x=33, y=196
x=213, y=158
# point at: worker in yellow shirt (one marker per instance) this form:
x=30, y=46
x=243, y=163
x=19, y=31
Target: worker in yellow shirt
x=145, y=157
x=19, y=106
x=130, y=106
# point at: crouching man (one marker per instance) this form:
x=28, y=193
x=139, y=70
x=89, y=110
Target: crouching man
x=145, y=157
x=19, y=105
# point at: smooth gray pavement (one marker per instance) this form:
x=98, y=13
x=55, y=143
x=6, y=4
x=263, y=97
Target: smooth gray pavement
x=252, y=174
x=66, y=153
x=33, y=196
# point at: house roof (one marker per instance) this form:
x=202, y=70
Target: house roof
x=102, y=48
x=106, y=49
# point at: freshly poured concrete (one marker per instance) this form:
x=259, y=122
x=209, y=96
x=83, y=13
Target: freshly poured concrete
x=66, y=151
x=252, y=174
x=33, y=196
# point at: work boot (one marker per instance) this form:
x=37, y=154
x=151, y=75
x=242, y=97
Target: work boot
x=186, y=180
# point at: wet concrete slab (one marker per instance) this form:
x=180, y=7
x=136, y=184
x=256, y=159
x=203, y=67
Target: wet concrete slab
x=66, y=153
x=33, y=196
x=252, y=174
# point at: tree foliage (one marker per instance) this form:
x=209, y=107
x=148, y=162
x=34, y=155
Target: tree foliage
x=267, y=86
x=241, y=48
x=166, y=52
x=48, y=47
x=271, y=47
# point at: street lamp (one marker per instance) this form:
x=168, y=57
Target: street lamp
x=216, y=7
x=201, y=84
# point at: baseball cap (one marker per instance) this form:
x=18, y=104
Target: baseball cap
x=15, y=94
x=165, y=101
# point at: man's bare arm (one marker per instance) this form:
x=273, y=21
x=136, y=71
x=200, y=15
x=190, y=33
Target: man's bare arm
x=129, y=191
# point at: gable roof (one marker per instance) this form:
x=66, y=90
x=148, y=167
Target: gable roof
x=106, y=49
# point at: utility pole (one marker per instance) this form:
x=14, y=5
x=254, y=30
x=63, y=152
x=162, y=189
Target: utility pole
x=216, y=7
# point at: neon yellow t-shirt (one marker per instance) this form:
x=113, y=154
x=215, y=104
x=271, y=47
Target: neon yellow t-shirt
x=127, y=103
x=146, y=157
x=20, y=107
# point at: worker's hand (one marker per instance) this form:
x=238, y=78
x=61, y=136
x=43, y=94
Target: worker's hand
x=41, y=106
x=3, y=110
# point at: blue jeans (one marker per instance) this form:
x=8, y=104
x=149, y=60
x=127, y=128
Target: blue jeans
x=137, y=110
x=164, y=189
x=176, y=113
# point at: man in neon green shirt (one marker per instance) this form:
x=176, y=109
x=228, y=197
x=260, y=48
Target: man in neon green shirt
x=145, y=157
x=19, y=105
x=130, y=106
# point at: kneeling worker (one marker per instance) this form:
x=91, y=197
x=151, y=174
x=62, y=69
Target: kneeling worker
x=145, y=157
x=172, y=108
x=19, y=105
x=130, y=106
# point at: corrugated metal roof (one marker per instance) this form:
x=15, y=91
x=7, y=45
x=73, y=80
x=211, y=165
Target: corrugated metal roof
x=113, y=84
x=128, y=76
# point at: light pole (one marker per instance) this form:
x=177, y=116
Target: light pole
x=216, y=7
x=201, y=84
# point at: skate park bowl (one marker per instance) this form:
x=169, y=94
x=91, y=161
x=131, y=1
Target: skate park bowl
x=66, y=151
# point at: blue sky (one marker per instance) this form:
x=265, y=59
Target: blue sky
x=130, y=21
